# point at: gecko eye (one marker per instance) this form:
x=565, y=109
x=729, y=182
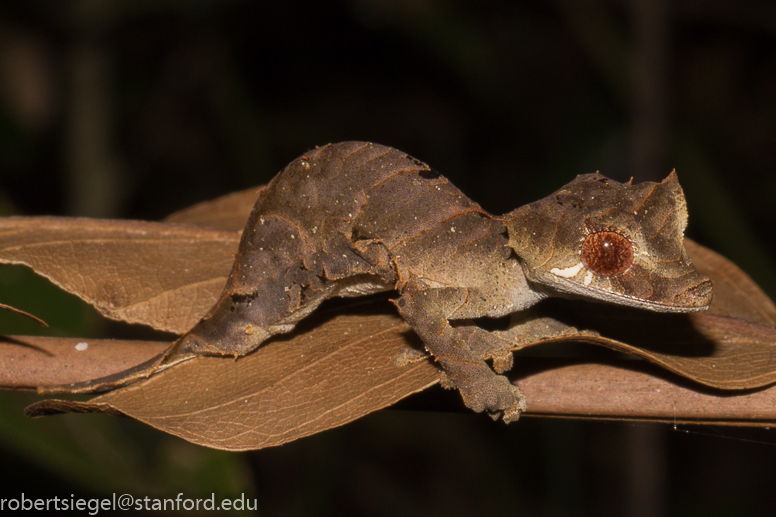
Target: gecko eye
x=607, y=253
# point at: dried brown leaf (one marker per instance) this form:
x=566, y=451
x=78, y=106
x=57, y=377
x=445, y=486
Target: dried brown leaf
x=735, y=293
x=632, y=390
x=290, y=388
x=229, y=212
x=163, y=275
x=711, y=349
x=343, y=369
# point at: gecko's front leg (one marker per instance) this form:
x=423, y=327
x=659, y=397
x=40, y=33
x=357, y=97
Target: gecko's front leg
x=524, y=328
x=427, y=312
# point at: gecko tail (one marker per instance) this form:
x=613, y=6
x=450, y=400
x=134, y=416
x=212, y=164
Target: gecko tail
x=109, y=382
x=156, y=364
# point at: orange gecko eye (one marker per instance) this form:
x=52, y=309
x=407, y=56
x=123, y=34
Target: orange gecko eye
x=607, y=253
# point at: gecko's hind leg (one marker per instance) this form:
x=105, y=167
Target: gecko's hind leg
x=236, y=326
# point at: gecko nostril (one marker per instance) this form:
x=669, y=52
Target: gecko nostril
x=607, y=253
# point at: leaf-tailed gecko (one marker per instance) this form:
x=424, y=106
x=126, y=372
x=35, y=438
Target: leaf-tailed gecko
x=357, y=218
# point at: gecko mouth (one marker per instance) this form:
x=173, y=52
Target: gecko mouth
x=694, y=303
x=694, y=294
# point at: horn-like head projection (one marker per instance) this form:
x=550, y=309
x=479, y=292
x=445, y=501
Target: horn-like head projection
x=611, y=241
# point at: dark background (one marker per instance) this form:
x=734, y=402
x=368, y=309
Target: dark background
x=135, y=109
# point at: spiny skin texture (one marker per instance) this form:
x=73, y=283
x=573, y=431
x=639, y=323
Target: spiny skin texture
x=357, y=218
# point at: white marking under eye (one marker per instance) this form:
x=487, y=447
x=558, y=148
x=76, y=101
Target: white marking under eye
x=588, y=278
x=568, y=272
x=81, y=346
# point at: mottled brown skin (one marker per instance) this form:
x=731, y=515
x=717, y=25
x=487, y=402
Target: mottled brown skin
x=356, y=218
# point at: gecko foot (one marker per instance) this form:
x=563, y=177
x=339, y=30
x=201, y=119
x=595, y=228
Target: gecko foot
x=445, y=381
x=408, y=355
x=502, y=361
x=496, y=396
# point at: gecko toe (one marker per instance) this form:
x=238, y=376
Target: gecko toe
x=496, y=396
x=407, y=356
x=503, y=361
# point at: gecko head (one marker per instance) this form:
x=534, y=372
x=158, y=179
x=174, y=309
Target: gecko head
x=614, y=242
